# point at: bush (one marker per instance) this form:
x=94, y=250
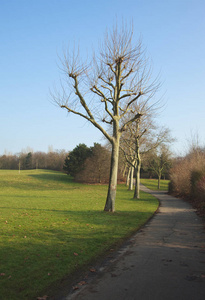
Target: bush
x=180, y=177
x=181, y=174
x=198, y=190
x=170, y=187
x=197, y=182
x=96, y=168
x=188, y=179
x=201, y=188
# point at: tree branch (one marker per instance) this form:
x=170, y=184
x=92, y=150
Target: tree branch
x=91, y=120
x=137, y=116
x=107, y=82
x=130, y=161
x=128, y=74
x=97, y=91
x=82, y=101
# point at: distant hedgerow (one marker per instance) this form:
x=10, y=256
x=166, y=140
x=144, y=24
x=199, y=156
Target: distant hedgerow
x=188, y=178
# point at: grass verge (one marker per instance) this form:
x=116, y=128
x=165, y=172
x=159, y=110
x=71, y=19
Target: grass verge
x=152, y=184
x=51, y=226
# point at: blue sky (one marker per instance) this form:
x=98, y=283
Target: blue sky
x=34, y=32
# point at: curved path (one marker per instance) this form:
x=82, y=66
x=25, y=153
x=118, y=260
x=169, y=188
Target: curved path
x=164, y=260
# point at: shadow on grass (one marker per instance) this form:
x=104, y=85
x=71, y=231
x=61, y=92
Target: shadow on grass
x=83, y=219
x=57, y=176
x=82, y=213
x=46, y=181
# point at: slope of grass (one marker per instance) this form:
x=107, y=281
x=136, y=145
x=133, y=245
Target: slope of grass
x=51, y=226
x=152, y=184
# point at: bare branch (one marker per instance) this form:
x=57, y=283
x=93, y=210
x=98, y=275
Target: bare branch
x=107, y=82
x=137, y=116
x=90, y=120
x=82, y=101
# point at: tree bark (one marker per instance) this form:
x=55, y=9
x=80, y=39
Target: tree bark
x=137, y=175
x=159, y=178
x=131, y=178
x=111, y=195
x=138, y=164
x=128, y=177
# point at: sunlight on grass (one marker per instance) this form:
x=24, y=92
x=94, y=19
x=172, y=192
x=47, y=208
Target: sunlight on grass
x=50, y=226
x=152, y=184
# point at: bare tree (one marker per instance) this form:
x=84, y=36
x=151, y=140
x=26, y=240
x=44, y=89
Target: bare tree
x=160, y=161
x=105, y=90
x=140, y=138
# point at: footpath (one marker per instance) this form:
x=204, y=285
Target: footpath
x=165, y=260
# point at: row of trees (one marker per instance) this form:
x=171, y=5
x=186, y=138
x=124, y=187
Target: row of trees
x=91, y=165
x=144, y=142
x=53, y=160
x=112, y=92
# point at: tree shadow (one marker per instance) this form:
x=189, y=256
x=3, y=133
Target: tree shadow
x=57, y=176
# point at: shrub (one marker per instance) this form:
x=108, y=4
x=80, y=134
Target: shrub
x=96, y=168
x=184, y=171
x=180, y=177
x=188, y=179
x=201, y=187
x=197, y=182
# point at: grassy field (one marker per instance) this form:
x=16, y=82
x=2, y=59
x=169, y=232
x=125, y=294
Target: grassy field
x=152, y=184
x=51, y=226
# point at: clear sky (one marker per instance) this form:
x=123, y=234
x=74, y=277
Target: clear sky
x=34, y=32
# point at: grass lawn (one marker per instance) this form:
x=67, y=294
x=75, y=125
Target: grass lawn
x=152, y=184
x=51, y=226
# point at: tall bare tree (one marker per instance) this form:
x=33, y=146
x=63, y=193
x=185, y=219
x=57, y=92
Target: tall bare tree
x=105, y=90
x=140, y=138
x=159, y=161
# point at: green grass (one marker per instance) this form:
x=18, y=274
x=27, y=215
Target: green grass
x=51, y=226
x=152, y=184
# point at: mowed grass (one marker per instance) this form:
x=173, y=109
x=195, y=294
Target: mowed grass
x=152, y=184
x=51, y=227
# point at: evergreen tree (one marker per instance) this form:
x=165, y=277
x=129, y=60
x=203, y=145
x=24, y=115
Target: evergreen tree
x=28, y=161
x=74, y=162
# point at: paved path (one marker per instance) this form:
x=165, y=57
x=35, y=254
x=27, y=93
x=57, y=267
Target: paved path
x=165, y=260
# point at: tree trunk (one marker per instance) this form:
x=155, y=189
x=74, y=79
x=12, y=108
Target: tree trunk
x=131, y=178
x=138, y=164
x=128, y=176
x=159, y=178
x=137, y=175
x=111, y=195
x=124, y=171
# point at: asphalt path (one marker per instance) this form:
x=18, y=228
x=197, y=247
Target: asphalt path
x=164, y=260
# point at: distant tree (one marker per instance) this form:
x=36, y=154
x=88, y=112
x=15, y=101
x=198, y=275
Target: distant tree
x=34, y=160
x=74, y=162
x=140, y=138
x=22, y=159
x=131, y=151
x=28, y=161
x=96, y=166
x=8, y=162
x=55, y=160
x=159, y=161
x=39, y=160
x=119, y=77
